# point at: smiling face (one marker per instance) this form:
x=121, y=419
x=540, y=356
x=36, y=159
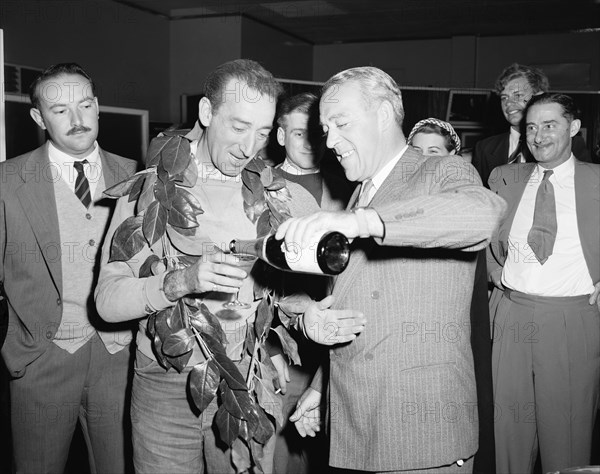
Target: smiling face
x=514, y=98
x=238, y=129
x=549, y=134
x=354, y=130
x=431, y=144
x=68, y=110
x=294, y=136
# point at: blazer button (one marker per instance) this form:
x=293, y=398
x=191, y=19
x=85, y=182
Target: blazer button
x=92, y=242
x=88, y=216
x=375, y=295
x=58, y=301
x=48, y=334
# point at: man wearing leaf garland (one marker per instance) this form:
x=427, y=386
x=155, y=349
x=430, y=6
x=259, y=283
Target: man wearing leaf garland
x=165, y=266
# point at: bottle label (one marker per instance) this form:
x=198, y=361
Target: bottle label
x=302, y=259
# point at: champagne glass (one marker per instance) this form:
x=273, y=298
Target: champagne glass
x=245, y=262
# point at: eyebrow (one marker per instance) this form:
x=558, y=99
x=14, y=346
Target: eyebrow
x=63, y=104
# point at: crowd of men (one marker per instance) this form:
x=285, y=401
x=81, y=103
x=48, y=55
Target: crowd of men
x=390, y=383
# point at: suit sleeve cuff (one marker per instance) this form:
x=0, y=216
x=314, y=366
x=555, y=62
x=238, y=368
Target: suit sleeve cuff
x=154, y=294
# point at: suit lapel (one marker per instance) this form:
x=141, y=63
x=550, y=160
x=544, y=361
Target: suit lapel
x=37, y=199
x=587, y=192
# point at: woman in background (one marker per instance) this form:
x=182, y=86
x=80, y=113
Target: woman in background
x=432, y=137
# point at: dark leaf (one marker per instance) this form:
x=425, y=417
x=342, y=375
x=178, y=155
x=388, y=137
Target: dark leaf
x=165, y=192
x=266, y=177
x=267, y=399
x=265, y=428
x=239, y=404
x=277, y=182
x=264, y=316
x=263, y=226
x=183, y=213
x=175, y=156
x=160, y=357
x=155, y=149
x=227, y=368
x=163, y=175
x=150, y=326
x=189, y=176
x=207, y=323
x=147, y=194
x=128, y=240
x=250, y=340
x=278, y=206
x=124, y=187
x=160, y=324
x=179, y=343
x=176, y=318
x=136, y=189
x=240, y=455
x=257, y=454
x=228, y=426
x=190, y=198
x=146, y=268
x=255, y=166
x=155, y=222
x=179, y=363
x=204, y=380
x=290, y=346
x=294, y=304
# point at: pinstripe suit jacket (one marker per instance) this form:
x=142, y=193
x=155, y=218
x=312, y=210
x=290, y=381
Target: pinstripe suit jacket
x=402, y=395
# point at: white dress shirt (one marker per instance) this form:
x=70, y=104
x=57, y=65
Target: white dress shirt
x=61, y=167
x=565, y=273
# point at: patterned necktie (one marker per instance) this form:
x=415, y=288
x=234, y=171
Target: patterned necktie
x=82, y=185
x=542, y=235
x=365, y=195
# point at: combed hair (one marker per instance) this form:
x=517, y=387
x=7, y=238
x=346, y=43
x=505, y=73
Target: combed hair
x=534, y=77
x=570, y=109
x=375, y=84
x=54, y=71
x=247, y=72
x=304, y=102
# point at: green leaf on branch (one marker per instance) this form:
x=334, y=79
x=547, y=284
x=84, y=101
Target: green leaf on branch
x=179, y=343
x=164, y=192
x=227, y=368
x=179, y=363
x=128, y=240
x=204, y=381
x=227, y=425
x=189, y=176
x=265, y=428
x=240, y=455
x=194, y=244
x=176, y=318
x=187, y=198
x=267, y=398
x=264, y=317
x=292, y=306
x=175, y=155
x=207, y=323
x=250, y=339
x=277, y=180
x=155, y=222
x=184, y=211
x=136, y=189
x=122, y=188
x=157, y=145
x=290, y=346
x=147, y=194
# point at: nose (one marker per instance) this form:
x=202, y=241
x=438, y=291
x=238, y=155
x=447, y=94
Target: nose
x=332, y=139
x=76, y=117
x=247, y=145
x=539, y=135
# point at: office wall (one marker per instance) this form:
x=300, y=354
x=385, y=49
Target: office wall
x=285, y=56
x=123, y=49
x=197, y=46
x=572, y=61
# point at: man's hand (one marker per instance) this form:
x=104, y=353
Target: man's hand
x=215, y=271
x=307, y=416
x=595, y=296
x=301, y=232
x=283, y=373
x=331, y=326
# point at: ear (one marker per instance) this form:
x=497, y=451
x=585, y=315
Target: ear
x=575, y=126
x=36, y=115
x=453, y=152
x=281, y=136
x=97, y=106
x=205, y=111
x=385, y=113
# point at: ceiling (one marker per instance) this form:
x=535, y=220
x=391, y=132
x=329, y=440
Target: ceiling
x=346, y=21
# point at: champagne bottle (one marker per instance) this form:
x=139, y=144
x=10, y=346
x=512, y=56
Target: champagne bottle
x=329, y=256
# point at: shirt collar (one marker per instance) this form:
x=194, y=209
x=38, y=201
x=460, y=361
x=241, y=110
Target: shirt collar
x=561, y=173
x=384, y=172
x=63, y=159
x=208, y=170
x=291, y=168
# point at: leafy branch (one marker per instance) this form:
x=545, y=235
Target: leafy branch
x=166, y=218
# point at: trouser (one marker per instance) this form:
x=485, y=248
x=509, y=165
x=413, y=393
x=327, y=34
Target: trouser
x=168, y=435
x=546, y=370
x=463, y=467
x=57, y=390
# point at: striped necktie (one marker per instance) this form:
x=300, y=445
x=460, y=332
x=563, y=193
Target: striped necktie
x=82, y=185
x=365, y=195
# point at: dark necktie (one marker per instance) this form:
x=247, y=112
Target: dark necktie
x=542, y=235
x=82, y=185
